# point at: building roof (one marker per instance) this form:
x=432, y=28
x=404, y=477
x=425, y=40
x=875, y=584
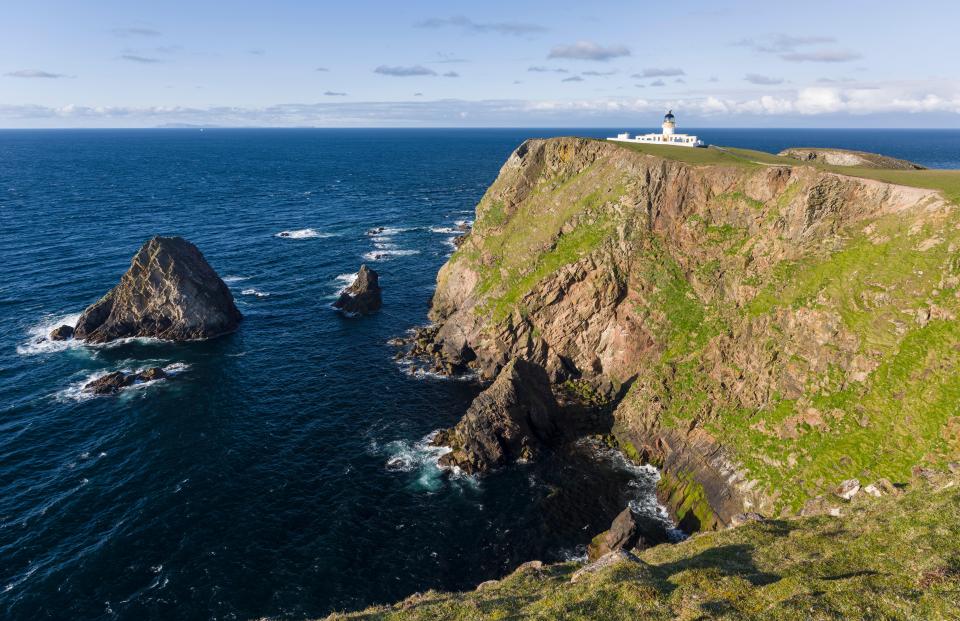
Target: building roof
x=669, y=116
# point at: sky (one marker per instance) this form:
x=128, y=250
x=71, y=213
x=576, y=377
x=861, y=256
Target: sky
x=480, y=64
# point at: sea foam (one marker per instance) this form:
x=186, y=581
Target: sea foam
x=303, y=234
x=76, y=391
x=383, y=255
x=256, y=292
x=39, y=336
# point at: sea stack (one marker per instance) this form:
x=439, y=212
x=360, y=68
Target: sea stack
x=510, y=421
x=363, y=296
x=170, y=292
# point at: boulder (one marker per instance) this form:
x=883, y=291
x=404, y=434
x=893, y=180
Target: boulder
x=170, y=292
x=628, y=531
x=511, y=420
x=848, y=489
x=607, y=560
x=363, y=296
x=112, y=383
x=742, y=518
x=62, y=333
x=152, y=374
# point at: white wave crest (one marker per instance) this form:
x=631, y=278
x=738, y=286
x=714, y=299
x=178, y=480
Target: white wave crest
x=252, y=291
x=303, y=234
x=384, y=255
x=232, y=279
x=423, y=458
x=77, y=392
x=39, y=341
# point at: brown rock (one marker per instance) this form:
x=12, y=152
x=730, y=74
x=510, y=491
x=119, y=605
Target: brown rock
x=509, y=421
x=152, y=374
x=111, y=383
x=169, y=292
x=608, y=560
x=62, y=333
x=624, y=534
x=363, y=296
x=848, y=489
x=742, y=518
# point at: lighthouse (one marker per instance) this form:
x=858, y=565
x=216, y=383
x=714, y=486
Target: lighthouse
x=669, y=123
x=667, y=137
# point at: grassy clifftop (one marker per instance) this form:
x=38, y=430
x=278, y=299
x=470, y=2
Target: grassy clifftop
x=888, y=558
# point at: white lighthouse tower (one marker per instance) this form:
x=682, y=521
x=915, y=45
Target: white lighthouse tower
x=667, y=137
x=669, y=123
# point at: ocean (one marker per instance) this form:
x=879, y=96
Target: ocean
x=283, y=470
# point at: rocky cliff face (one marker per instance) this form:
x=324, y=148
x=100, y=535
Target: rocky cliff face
x=169, y=292
x=763, y=329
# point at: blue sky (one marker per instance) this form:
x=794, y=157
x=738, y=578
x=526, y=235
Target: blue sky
x=364, y=63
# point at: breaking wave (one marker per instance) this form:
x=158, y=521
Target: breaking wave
x=303, y=234
x=256, y=292
x=76, y=392
x=384, y=255
x=39, y=336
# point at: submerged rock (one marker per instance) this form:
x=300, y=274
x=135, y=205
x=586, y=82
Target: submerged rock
x=169, y=292
x=62, y=333
x=509, y=421
x=112, y=383
x=363, y=296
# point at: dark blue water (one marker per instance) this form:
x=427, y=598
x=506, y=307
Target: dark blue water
x=282, y=471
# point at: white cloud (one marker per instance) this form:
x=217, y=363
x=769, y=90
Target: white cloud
x=35, y=73
x=936, y=99
x=821, y=56
x=659, y=72
x=587, y=50
x=467, y=24
x=404, y=72
x=763, y=80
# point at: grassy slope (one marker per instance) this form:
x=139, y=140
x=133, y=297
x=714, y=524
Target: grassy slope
x=889, y=558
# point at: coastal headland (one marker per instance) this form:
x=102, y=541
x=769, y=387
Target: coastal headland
x=777, y=335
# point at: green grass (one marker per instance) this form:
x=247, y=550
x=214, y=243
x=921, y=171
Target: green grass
x=945, y=181
x=889, y=558
x=690, y=155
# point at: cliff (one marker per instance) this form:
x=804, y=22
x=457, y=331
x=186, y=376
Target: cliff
x=765, y=328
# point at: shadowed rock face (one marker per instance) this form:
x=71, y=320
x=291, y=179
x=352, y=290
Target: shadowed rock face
x=363, y=296
x=169, y=292
x=510, y=420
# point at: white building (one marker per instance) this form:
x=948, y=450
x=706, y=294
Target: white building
x=668, y=137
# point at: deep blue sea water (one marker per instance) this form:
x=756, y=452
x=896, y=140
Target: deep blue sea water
x=282, y=471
